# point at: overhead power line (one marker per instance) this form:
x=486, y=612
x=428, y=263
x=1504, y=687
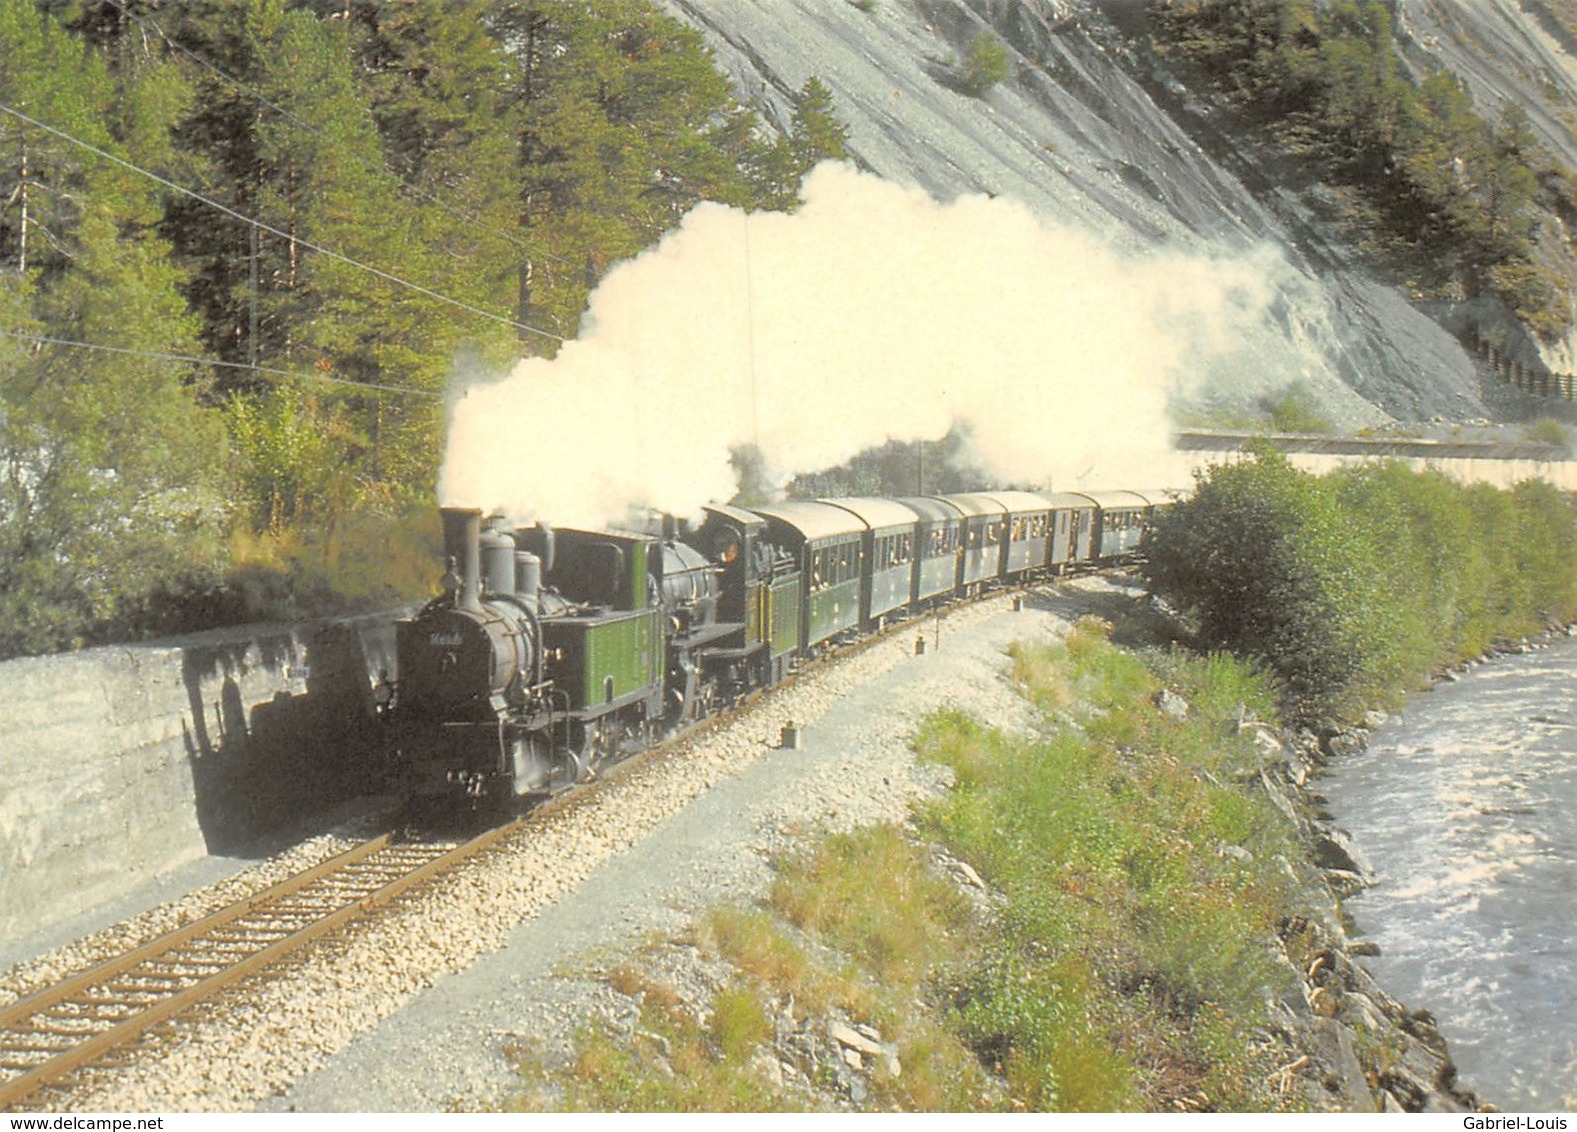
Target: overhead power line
x=270, y=370
x=258, y=224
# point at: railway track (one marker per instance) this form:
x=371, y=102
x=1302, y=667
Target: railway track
x=53, y=1033
x=77, y=1024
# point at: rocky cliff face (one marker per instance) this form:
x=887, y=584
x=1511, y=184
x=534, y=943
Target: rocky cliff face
x=1090, y=129
x=1515, y=52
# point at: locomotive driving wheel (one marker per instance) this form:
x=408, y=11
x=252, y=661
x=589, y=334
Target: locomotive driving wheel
x=593, y=745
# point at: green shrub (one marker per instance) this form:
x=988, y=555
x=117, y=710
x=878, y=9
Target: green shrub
x=1546, y=543
x=1548, y=430
x=1261, y=557
x=1217, y=684
x=985, y=64
x=1295, y=409
x=353, y=562
x=739, y=1023
x=1355, y=588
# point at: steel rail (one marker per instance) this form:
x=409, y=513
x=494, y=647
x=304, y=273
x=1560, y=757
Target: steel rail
x=64, y=991
x=174, y=1001
x=95, y=1044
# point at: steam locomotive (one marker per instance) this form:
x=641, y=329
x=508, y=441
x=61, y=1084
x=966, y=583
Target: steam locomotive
x=551, y=653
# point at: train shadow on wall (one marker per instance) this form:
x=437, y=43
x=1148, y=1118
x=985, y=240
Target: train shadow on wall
x=270, y=763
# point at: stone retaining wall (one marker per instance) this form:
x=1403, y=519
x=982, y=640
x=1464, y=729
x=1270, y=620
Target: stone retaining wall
x=118, y=764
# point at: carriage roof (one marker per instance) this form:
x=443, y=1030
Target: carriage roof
x=877, y=514
x=813, y=521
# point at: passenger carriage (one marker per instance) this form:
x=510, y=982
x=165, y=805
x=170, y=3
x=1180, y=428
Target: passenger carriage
x=1026, y=531
x=887, y=581
x=983, y=521
x=1120, y=523
x=937, y=534
x=827, y=542
x=1072, y=541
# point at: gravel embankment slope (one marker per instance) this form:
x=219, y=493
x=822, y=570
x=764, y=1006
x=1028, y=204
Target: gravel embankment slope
x=412, y=1012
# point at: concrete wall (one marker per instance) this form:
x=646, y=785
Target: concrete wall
x=118, y=764
x=1322, y=454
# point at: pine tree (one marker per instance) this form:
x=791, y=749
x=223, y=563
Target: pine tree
x=440, y=90
x=110, y=466
x=814, y=135
x=625, y=125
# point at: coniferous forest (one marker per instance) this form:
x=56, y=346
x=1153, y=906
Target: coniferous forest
x=245, y=244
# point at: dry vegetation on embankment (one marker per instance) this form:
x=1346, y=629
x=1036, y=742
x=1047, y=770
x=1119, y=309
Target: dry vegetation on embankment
x=1116, y=912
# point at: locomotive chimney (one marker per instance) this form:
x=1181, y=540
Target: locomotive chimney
x=462, y=529
x=528, y=579
x=538, y=540
x=497, y=551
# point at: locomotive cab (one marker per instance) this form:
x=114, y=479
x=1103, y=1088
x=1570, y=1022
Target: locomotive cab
x=759, y=593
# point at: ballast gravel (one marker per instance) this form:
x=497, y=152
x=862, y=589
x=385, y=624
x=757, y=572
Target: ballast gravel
x=415, y=1009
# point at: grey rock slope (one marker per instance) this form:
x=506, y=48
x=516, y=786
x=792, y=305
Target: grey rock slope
x=1090, y=130
x=1508, y=51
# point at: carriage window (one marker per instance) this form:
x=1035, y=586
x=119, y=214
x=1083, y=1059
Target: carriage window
x=848, y=561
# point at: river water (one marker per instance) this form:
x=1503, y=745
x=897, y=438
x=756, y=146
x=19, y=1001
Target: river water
x=1466, y=806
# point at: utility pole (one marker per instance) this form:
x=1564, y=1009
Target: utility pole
x=251, y=302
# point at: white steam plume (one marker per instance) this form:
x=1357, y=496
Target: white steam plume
x=872, y=314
